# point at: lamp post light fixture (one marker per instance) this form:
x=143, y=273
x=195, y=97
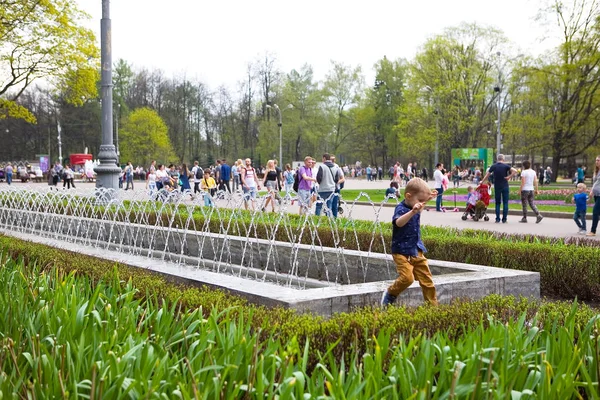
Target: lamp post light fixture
x=276, y=107
x=107, y=171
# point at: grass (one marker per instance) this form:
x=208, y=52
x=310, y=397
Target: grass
x=64, y=335
x=377, y=196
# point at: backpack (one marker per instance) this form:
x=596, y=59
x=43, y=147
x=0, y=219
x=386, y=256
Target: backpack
x=297, y=178
x=289, y=177
x=199, y=173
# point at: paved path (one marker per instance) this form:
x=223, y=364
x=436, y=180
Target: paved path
x=555, y=227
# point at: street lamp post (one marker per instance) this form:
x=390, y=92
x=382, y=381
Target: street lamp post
x=117, y=132
x=436, y=156
x=59, y=129
x=107, y=171
x=276, y=107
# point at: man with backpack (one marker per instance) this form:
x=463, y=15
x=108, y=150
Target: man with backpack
x=303, y=183
x=198, y=173
x=328, y=178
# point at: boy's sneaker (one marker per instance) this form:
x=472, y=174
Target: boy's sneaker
x=582, y=232
x=524, y=220
x=387, y=299
x=539, y=219
x=590, y=234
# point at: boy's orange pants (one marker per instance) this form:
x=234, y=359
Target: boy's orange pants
x=410, y=268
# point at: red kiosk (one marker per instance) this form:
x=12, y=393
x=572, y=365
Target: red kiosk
x=79, y=159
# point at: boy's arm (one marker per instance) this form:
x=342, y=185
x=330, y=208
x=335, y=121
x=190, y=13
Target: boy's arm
x=403, y=220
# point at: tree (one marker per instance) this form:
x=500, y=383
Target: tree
x=569, y=84
x=342, y=90
x=449, y=92
x=144, y=137
x=42, y=39
x=385, y=97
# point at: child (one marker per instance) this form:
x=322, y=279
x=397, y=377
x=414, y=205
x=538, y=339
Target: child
x=471, y=196
x=392, y=192
x=580, y=198
x=209, y=185
x=407, y=247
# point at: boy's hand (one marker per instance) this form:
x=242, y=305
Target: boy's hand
x=417, y=208
x=433, y=194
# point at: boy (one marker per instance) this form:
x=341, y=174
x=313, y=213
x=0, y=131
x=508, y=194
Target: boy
x=407, y=247
x=580, y=198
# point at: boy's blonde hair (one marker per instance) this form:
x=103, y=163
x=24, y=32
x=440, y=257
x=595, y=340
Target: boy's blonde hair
x=469, y=188
x=581, y=186
x=416, y=186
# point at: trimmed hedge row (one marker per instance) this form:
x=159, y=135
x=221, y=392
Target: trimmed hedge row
x=350, y=329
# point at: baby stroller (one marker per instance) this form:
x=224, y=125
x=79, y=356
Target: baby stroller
x=478, y=204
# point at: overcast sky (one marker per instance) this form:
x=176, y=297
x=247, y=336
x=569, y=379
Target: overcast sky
x=214, y=40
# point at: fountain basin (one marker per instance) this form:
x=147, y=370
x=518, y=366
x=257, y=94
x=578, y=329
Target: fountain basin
x=304, y=277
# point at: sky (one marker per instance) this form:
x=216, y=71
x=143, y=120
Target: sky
x=214, y=40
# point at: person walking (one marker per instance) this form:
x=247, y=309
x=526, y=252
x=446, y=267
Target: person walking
x=235, y=172
x=502, y=174
x=529, y=187
x=305, y=185
x=580, y=175
x=9, y=173
x=438, y=177
x=129, y=175
x=328, y=177
x=151, y=182
x=596, y=193
x=456, y=176
x=184, y=177
x=198, y=174
x=580, y=199
x=225, y=175
x=288, y=179
x=270, y=181
x=250, y=184
x=68, y=177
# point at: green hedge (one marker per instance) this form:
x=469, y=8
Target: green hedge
x=348, y=328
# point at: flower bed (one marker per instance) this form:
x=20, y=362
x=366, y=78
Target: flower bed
x=546, y=197
x=67, y=335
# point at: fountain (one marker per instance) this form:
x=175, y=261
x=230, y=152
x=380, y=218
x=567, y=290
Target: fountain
x=304, y=262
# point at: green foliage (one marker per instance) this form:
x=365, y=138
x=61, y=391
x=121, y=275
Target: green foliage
x=144, y=138
x=42, y=39
x=66, y=335
x=10, y=109
x=448, y=93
